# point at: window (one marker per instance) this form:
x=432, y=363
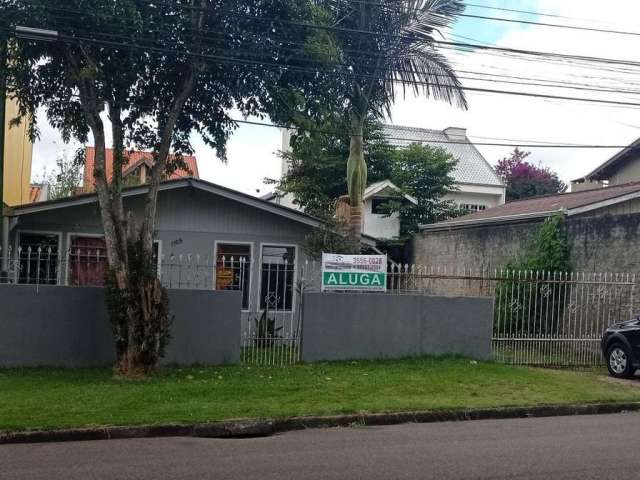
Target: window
x=472, y=207
x=87, y=261
x=378, y=205
x=233, y=269
x=276, y=277
x=38, y=258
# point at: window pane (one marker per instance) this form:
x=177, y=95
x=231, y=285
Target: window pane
x=277, y=272
x=378, y=206
x=87, y=261
x=38, y=258
x=233, y=269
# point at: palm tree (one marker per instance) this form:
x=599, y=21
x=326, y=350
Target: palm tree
x=384, y=46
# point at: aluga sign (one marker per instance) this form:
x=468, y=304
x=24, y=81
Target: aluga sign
x=354, y=272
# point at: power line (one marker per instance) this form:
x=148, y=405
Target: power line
x=540, y=144
x=247, y=61
x=552, y=25
x=439, y=42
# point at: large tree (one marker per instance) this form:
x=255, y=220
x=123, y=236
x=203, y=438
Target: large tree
x=380, y=49
x=151, y=73
x=316, y=177
x=524, y=179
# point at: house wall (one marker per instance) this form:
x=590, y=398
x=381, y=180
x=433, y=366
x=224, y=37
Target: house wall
x=189, y=223
x=600, y=243
x=351, y=326
x=17, y=161
x=69, y=327
x=379, y=226
x=628, y=172
x=477, y=195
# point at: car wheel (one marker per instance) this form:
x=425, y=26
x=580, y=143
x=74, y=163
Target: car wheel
x=619, y=361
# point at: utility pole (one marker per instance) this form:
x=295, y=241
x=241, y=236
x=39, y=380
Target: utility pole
x=4, y=220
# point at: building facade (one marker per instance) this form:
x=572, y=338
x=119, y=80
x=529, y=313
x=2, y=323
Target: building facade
x=477, y=186
x=18, y=152
x=623, y=167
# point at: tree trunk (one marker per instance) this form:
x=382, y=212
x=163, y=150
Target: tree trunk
x=356, y=176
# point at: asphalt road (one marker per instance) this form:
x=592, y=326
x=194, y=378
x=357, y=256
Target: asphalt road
x=588, y=447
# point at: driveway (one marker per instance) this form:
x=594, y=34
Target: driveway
x=587, y=447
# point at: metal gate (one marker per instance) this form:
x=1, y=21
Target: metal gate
x=271, y=332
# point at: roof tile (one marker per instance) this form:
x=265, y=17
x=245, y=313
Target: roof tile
x=133, y=158
x=472, y=166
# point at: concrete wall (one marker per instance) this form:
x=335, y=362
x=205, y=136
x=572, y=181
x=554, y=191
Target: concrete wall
x=598, y=242
x=352, y=326
x=68, y=327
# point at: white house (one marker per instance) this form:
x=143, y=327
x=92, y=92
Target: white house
x=478, y=187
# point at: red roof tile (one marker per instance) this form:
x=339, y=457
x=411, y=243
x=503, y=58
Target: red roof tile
x=547, y=204
x=134, y=158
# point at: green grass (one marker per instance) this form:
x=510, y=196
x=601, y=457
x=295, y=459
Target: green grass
x=54, y=398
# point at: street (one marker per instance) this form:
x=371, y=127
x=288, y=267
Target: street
x=586, y=447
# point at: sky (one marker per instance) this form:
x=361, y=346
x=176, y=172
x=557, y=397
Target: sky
x=252, y=150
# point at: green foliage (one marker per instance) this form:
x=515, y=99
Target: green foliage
x=317, y=171
x=65, y=180
x=266, y=331
x=528, y=284
x=425, y=173
x=548, y=251
x=317, y=175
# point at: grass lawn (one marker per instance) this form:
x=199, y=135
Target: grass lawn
x=52, y=398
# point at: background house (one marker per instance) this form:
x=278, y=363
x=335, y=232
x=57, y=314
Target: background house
x=137, y=169
x=602, y=227
x=623, y=167
x=477, y=185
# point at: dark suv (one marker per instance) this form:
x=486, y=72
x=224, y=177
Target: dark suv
x=621, y=348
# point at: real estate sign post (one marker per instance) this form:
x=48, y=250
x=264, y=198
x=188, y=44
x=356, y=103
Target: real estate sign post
x=354, y=272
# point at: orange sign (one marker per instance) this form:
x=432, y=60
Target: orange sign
x=224, y=278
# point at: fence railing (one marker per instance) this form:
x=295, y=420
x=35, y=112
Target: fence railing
x=540, y=317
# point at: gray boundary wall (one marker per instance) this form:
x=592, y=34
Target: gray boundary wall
x=369, y=326
x=69, y=327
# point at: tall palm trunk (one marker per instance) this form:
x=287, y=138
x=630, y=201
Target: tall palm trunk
x=356, y=176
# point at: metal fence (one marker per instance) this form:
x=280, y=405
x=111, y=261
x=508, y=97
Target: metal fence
x=540, y=318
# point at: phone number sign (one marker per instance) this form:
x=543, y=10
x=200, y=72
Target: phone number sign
x=354, y=272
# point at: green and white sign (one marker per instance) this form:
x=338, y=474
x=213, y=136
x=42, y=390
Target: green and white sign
x=354, y=272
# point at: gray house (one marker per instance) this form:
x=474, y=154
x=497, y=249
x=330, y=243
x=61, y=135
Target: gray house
x=207, y=237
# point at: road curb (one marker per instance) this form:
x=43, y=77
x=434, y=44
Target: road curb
x=261, y=428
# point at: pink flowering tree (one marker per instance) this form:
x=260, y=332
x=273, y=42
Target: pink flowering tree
x=524, y=179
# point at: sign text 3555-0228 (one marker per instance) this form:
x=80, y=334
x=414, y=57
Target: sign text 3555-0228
x=354, y=272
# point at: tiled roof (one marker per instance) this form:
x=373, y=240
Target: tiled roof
x=472, y=166
x=545, y=205
x=134, y=158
